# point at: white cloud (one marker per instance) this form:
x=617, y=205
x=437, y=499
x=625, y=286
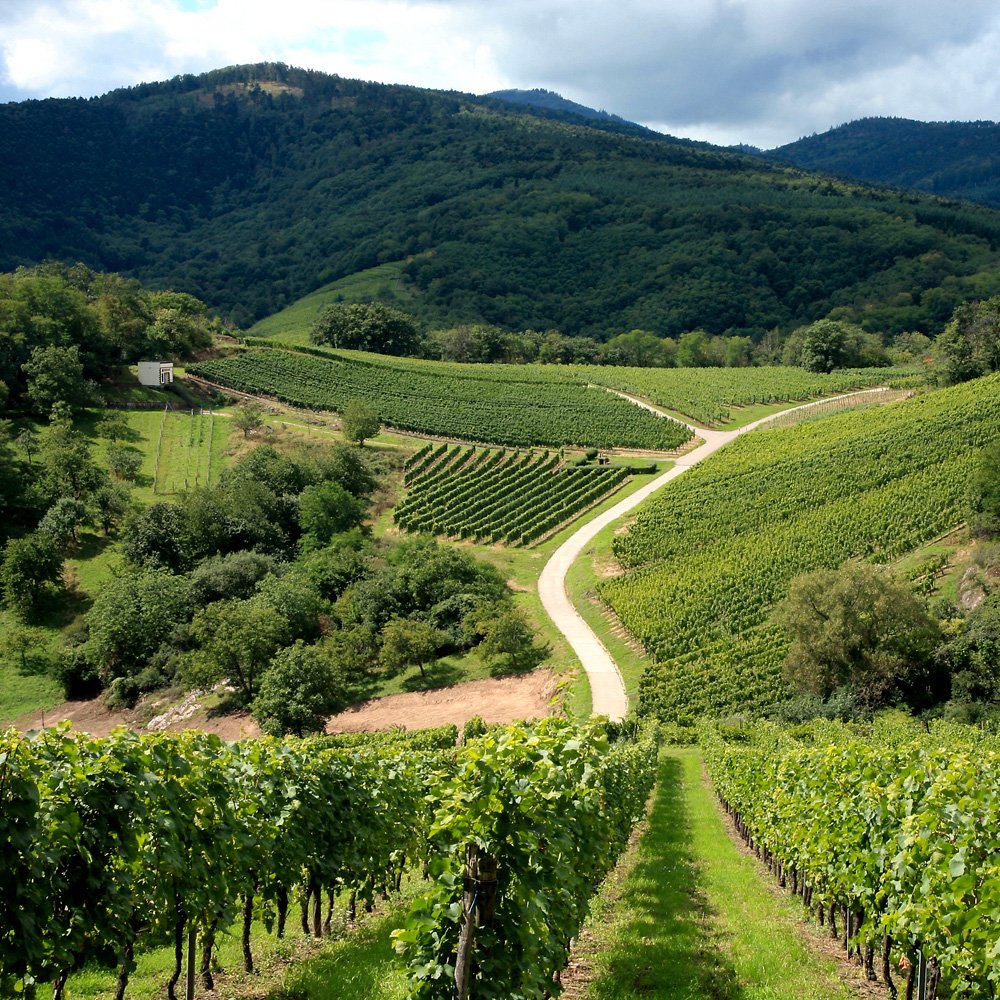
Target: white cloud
x=764, y=71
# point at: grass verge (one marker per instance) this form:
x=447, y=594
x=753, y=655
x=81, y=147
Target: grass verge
x=687, y=916
x=354, y=962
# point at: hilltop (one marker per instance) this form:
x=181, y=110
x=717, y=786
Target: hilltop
x=252, y=186
x=950, y=159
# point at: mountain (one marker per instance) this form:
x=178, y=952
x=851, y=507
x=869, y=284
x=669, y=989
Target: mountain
x=951, y=159
x=548, y=100
x=252, y=186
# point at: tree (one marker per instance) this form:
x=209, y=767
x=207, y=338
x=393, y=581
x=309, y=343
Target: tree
x=114, y=427
x=366, y=327
x=55, y=375
x=327, y=510
x=234, y=575
x=408, y=643
x=638, y=348
x=237, y=640
x=157, y=537
x=832, y=343
x=65, y=466
x=508, y=645
x=131, y=617
x=248, y=417
x=123, y=463
x=984, y=492
x=859, y=628
x=359, y=421
x=969, y=345
x=693, y=350
x=30, y=564
x=62, y=521
x=28, y=442
x=298, y=691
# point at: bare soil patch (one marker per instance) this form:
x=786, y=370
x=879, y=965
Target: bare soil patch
x=503, y=699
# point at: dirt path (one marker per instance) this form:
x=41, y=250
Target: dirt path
x=607, y=688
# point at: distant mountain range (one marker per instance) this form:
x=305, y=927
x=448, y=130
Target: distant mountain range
x=950, y=159
x=252, y=186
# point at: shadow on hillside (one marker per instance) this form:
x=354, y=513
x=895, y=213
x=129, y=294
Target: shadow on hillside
x=439, y=674
x=662, y=945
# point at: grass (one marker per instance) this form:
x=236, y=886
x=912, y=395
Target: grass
x=292, y=324
x=690, y=917
x=355, y=962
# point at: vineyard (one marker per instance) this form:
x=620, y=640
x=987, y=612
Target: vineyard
x=494, y=496
x=440, y=401
x=714, y=552
x=891, y=839
x=709, y=395
x=186, y=448
x=121, y=844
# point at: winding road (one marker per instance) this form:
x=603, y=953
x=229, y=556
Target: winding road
x=606, y=685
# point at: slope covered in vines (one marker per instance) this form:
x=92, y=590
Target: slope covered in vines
x=711, y=555
x=509, y=410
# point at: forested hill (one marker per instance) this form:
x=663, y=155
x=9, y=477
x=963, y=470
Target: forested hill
x=251, y=186
x=951, y=159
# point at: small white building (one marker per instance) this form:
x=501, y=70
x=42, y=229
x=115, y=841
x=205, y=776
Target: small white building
x=156, y=373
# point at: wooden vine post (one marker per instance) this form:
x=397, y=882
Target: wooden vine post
x=478, y=904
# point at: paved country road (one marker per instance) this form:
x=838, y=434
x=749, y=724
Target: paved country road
x=606, y=685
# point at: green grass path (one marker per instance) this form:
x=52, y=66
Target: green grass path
x=693, y=919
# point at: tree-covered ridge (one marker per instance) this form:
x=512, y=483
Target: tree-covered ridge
x=252, y=186
x=950, y=159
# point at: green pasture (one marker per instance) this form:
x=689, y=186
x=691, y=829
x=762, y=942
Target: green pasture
x=292, y=323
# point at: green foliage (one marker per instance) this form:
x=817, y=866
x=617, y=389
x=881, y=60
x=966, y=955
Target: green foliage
x=553, y=805
x=185, y=828
x=409, y=643
x=248, y=417
x=64, y=325
x=123, y=462
x=31, y=564
x=508, y=644
x=327, y=509
x=857, y=627
x=493, y=214
x=359, y=421
x=236, y=641
x=901, y=831
x=828, y=344
x=500, y=496
x=984, y=492
x=131, y=617
x=234, y=575
x=969, y=346
x=365, y=327
x=298, y=691
x=710, y=557
x=55, y=375
x=948, y=159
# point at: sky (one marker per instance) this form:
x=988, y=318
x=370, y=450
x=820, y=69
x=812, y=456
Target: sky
x=763, y=72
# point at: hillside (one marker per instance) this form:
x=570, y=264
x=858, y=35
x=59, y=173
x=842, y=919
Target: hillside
x=251, y=187
x=708, y=558
x=950, y=159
